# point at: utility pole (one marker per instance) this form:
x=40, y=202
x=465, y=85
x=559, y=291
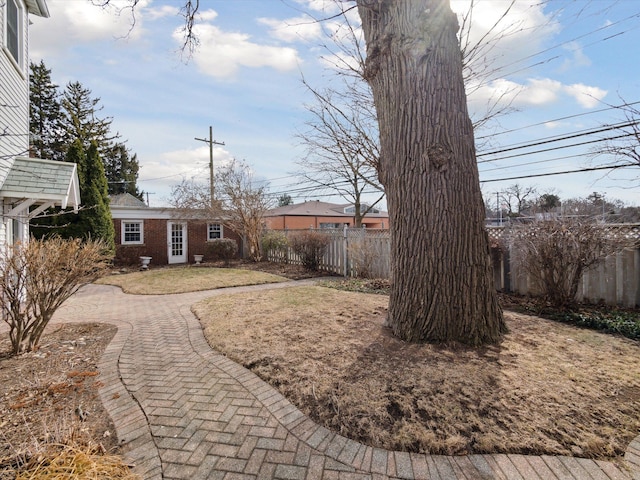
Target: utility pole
x=211, y=143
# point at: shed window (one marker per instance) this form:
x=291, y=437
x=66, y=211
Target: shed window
x=132, y=232
x=214, y=231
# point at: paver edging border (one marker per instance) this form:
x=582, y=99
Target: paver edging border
x=131, y=424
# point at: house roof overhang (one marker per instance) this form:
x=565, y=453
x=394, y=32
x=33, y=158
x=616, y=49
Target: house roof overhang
x=42, y=183
x=38, y=8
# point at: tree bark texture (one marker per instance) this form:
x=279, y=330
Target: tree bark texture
x=442, y=285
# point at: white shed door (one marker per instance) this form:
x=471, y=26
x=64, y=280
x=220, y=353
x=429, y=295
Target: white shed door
x=177, y=242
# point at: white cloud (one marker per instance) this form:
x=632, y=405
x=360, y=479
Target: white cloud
x=81, y=22
x=327, y=7
x=221, y=54
x=586, y=96
x=169, y=168
x=88, y=22
x=293, y=29
x=162, y=12
x=208, y=15
x=536, y=92
x=542, y=91
x=578, y=57
x=509, y=40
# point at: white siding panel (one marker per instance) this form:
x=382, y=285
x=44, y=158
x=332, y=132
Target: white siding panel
x=14, y=101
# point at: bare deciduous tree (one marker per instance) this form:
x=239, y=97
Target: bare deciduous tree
x=441, y=287
x=342, y=146
x=36, y=278
x=623, y=148
x=192, y=199
x=240, y=203
x=244, y=204
x=518, y=197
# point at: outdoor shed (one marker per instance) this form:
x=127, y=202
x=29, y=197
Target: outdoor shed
x=160, y=233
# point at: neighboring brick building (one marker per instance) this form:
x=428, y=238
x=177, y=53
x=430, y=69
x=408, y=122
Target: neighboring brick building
x=316, y=214
x=160, y=234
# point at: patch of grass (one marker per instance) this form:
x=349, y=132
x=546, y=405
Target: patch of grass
x=187, y=279
x=549, y=388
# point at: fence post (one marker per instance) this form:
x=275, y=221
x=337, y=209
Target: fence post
x=345, y=255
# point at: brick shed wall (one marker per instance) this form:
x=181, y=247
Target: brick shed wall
x=156, y=242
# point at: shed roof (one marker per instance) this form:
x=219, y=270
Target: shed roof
x=126, y=200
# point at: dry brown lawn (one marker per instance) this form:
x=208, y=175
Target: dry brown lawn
x=548, y=388
x=186, y=279
x=41, y=433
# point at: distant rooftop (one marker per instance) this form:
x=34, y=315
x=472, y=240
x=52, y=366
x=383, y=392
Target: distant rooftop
x=126, y=200
x=324, y=209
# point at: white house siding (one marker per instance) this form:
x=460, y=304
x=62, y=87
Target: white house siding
x=14, y=98
x=3, y=235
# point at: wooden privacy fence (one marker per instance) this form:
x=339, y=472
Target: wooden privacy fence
x=352, y=252
x=359, y=252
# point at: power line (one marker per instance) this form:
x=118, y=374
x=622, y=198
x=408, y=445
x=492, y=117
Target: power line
x=552, y=149
x=592, y=169
x=548, y=160
x=551, y=139
x=559, y=119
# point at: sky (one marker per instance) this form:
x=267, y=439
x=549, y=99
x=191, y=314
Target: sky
x=556, y=67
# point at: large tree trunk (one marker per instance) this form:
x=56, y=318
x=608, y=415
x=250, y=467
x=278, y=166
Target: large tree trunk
x=442, y=288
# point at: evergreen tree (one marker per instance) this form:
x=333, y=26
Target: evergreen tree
x=96, y=198
x=121, y=170
x=94, y=220
x=45, y=114
x=284, y=200
x=81, y=121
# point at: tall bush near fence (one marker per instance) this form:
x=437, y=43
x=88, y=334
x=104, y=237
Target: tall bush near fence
x=311, y=246
x=365, y=253
x=555, y=254
x=36, y=278
x=275, y=246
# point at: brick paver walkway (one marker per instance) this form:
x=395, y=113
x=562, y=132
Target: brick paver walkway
x=184, y=411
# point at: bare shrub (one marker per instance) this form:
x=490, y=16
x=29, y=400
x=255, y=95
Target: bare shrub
x=221, y=249
x=311, y=246
x=36, y=278
x=275, y=246
x=363, y=254
x=556, y=253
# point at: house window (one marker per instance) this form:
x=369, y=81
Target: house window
x=132, y=232
x=12, y=35
x=214, y=231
